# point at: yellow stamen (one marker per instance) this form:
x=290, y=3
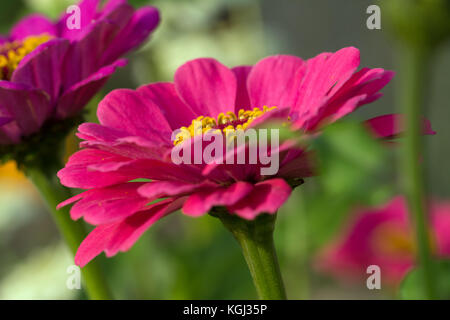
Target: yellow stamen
x=225, y=123
x=11, y=53
x=395, y=241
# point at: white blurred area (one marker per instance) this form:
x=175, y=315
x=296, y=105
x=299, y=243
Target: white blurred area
x=42, y=275
x=33, y=260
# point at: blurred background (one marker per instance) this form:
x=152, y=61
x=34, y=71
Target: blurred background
x=185, y=258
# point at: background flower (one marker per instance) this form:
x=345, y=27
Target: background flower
x=48, y=71
x=383, y=236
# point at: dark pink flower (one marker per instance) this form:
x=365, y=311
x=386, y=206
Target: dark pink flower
x=383, y=236
x=133, y=141
x=48, y=71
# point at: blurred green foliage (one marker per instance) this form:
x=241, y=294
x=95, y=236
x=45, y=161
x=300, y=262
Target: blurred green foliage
x=350, y=159
x=353, y=171
x=411, y=286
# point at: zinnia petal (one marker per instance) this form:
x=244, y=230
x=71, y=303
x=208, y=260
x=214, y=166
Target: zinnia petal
x=42, y=67
x=33, y=24
x=76, y=97
x=242, y=96
x=274, y=81
x=391, y=125
x=207, y=86
x=325, y=75
x=120, y=236
x=201, y=202
x=110, y=204
x=163, y=96
x=137, y=29
x=266, y=197
x=128, y=111
x=27, y=105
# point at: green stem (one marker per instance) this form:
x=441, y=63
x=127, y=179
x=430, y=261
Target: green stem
x=256, y=240
x=414, y=72
x=73, y=232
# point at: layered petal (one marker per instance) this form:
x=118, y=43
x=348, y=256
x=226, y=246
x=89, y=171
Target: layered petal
x=41, y=68
x=274, y=81
x=91, y=168
x=120, y=236
x=88, y=14
x=324, y=76
x=266, y=197
x=107, y=205
x=207, y=86
x=132, y=147
x=160, y=189
x=137, y=29
x=242, y=96
x=201, y=202
x=76, y=173
x=34, y=24
x=29, y=107
x=84, y=56
x=163, y=96
x=128, y=111
x=76, y=97
x=95, y=243
x=361, y=89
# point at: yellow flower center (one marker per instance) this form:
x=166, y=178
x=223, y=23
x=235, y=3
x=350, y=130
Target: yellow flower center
x=394, y=241
x=11, y=53
x=397, y=242
x=225, y=123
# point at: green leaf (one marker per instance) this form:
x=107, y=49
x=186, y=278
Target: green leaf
x=411, y=287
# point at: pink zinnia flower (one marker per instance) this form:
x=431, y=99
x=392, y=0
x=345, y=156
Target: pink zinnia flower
x=383, y=236
x=50, y=72
x=133, y=141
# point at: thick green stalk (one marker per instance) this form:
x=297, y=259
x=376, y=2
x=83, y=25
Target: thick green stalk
x=414, y=81
x=256, y=240
x=73, y=232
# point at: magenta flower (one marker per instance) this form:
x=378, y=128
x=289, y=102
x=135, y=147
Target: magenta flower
x=48, y=71
x=133, y=141
x=383, y=236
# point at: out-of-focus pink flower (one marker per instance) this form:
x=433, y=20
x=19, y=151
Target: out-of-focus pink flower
x=48, y=71
x=383, y=236
x=133, y=141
